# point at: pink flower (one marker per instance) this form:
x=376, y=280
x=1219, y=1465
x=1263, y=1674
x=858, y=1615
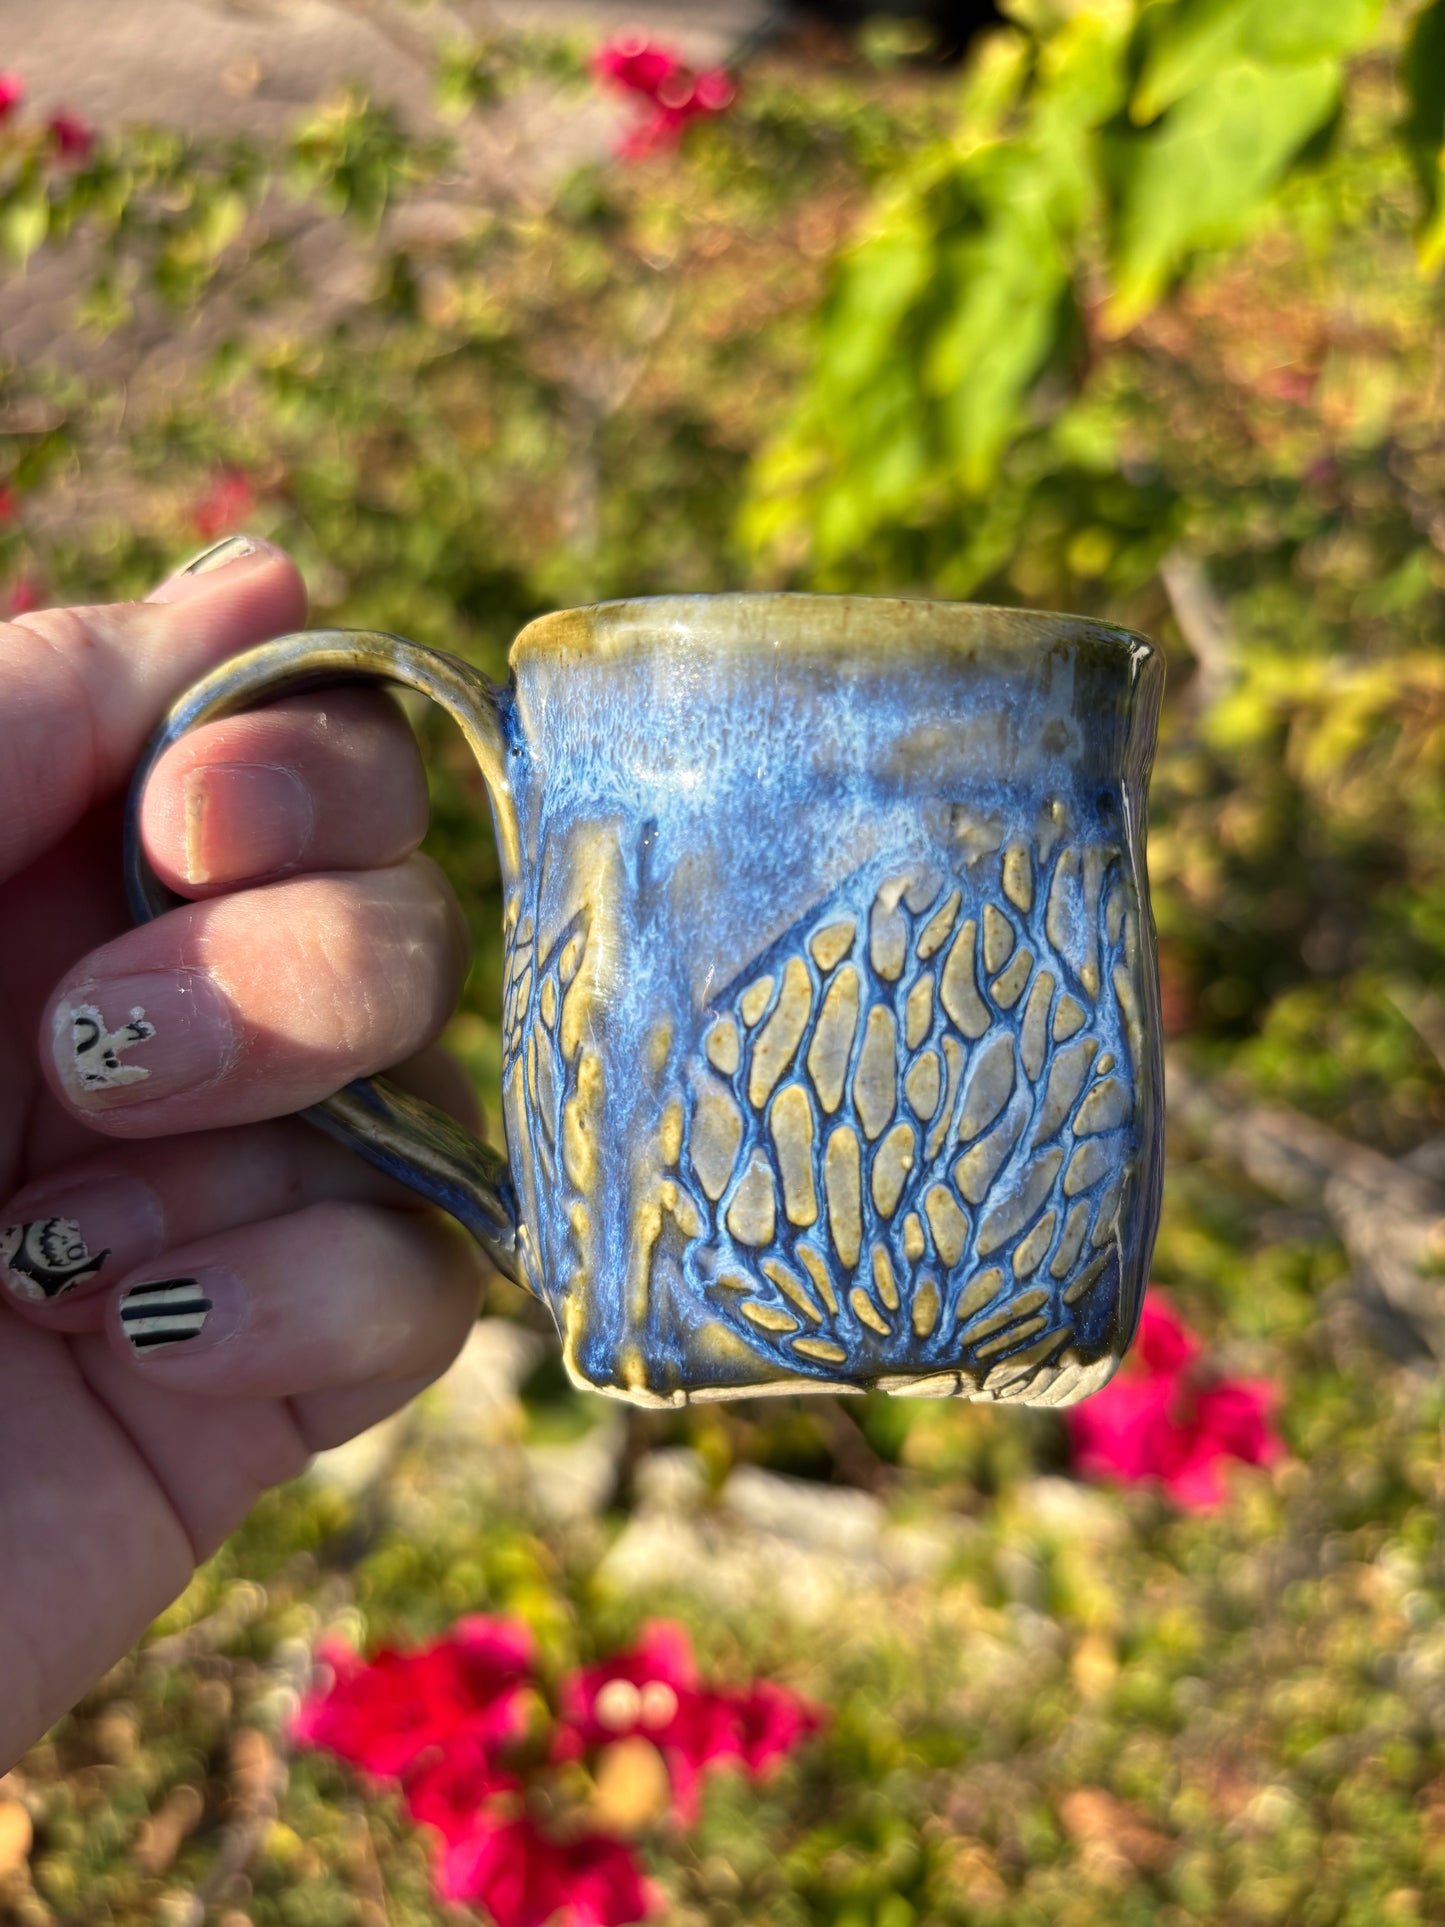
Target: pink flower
x=636, y=63
x=73, y=138
x=674, y=93
x=12, y=92
x=652, y=1692
x=228, y=500
x=1165, y=1418
x=384, y=1715
x=525, y=1878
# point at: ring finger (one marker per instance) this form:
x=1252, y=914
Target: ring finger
x=330, y=1297
x=67, y=1238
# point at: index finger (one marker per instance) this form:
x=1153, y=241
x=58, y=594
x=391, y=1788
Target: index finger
x=83, y=688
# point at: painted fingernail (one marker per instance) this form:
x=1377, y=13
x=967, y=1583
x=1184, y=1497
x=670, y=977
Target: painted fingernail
x=45, y=1258
x=245, y=820
x=141, y=1037
x=61, y=1240
x=230, y=548
x=170, y=1311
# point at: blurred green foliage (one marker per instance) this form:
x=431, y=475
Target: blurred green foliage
x=1048, y=331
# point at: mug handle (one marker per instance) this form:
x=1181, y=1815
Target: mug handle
x=410, y=1140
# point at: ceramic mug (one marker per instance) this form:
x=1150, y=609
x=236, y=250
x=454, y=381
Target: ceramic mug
x=830, y=1034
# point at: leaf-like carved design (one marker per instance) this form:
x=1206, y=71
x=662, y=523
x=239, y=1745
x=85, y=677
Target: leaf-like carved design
x=934, y=1093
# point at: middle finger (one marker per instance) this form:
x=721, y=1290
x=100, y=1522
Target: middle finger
x=255, y=1005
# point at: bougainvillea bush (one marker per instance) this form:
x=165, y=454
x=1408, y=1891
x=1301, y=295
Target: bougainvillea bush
x=832, y=313
x=461, y=1728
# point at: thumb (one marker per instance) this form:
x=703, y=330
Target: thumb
x=82, y=689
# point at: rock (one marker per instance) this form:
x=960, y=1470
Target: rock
x=671, y=1480
x=1063, y=1509
x=827, y=1516
x=791, y=1545
x=478, y=1400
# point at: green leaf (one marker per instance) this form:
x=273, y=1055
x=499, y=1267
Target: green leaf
x=1202, y=175
x=1011, y=281
x=942, y=321
x=221, y=221
x=1422, y=74
x=1188, y=43
x=1291, y=30
x=24, y=224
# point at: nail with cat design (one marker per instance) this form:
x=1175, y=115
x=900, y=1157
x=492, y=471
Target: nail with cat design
x=141, y=1037
x=169, y=1311
x=61, y=1234
x=46, y=1259
x=98, y=1050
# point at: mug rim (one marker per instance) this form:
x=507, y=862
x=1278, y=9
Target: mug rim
x=828, y=625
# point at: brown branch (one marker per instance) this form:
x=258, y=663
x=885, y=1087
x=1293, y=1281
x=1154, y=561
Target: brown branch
x=1424, y=1012
x=1390, y=1220
x=854, y=1457
x=1204, y=625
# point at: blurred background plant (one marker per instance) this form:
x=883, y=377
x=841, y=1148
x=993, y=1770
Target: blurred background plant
x=1125, y=306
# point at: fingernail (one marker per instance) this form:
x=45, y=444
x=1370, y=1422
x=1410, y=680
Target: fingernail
x=61, y=1239
x=136, y=1038
x=245, y=820
x=169, y=1312
x=230, y=548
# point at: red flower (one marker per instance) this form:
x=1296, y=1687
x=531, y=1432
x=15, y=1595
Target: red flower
x=228, y=500
x=771, y=1723
x=675, y=94
x=436, y=1720
x=652, y=1692
x=1164, y=1419
x=1166, y=1345
x=12, y=92
x=72, y=137
x=9, y=501
x=524, y=1878
x=25, y=593
x=464, y=1691
x=448, y=1787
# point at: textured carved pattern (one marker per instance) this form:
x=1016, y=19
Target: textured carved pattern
x=911, y=1137
x=549, y=1080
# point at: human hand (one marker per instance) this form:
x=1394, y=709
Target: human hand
x=197, y=1291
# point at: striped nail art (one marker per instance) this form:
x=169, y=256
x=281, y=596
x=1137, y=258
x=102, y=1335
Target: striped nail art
x=229, y=549
x=168, y=1312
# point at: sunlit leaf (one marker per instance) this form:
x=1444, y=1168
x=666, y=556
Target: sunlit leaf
x=1191, y=41
x=24, y=224
x=1201, y=176
x=1185, y=45
x=1422, y=73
